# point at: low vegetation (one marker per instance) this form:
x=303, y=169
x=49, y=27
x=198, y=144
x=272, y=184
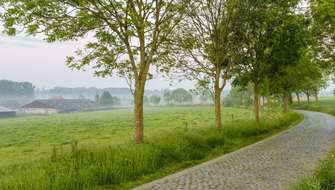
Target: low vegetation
x=323, y=105
x=324, y=177
x=176, y=138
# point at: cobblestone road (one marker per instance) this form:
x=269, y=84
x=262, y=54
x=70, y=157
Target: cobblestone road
x=271, y=164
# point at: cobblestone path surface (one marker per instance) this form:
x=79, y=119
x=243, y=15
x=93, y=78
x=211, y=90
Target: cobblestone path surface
x=274, y=163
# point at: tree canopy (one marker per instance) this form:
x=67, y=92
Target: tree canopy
x=128, y=37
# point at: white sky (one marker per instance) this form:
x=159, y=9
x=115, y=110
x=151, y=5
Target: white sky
x=43, y=64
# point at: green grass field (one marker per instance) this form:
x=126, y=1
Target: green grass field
x=94, y=150
x=326, y=105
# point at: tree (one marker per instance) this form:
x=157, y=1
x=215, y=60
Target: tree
x=259, y=20
x=181, y=95
x=16, y=89
x=155, y=100
x=167, y=97
x=206, y=96
x=128, y=36
x=146, y=100
x=290, y=45
x=239, y=96
x=107, y=99
x=323, y=14
x=203, y=52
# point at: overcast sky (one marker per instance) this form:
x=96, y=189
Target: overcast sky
x=43, y=64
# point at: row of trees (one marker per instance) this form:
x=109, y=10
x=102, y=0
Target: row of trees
x=14, y=89
x=273, y=45
x=178, y=96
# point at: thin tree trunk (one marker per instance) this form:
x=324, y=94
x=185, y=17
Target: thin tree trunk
x=138, y=109
x=285, y=101
x=257, y=102
x=298, y=97
x=290, y=98
x=217, y=102
x=308, y=100
x=317, y=97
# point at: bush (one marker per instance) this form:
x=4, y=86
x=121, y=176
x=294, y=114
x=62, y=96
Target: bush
x=155, y=100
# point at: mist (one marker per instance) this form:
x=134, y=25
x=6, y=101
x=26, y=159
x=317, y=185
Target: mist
x=31, y=59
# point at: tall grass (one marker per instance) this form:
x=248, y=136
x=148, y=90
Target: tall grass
x=324, y=105
x=87, y=168
x=323, y=179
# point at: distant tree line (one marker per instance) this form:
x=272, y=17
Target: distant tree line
x=178, y=96
x=12, y=89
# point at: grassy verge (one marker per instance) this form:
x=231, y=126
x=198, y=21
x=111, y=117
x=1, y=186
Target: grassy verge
x=324, y=105
x=87, y=166
x=323, y=179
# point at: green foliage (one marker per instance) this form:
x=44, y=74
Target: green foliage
x=111, y=24
x=323, y=179
x=146, y=100
x=239, y=97
x=107, y=99
x=167, y=96
x=323, y=13
x=290, y=67
x=255, y=49
x=181, y=95
x=206, y=96
x=16, y=89
x=88, y=166
x=155, y=100
x=308, y=184
x=203, y=43
x=323, y=105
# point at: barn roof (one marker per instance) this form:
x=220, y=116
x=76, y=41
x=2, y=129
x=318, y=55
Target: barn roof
x=62, y=104
x=38, y=104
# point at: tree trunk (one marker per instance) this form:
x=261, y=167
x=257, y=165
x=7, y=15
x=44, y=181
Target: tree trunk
x=138, y=109
x=290, y=98
x=308, y=100
x=298, y=97
x=257, y=102
x=285, y=101
x=217, y=102
x=317, y=97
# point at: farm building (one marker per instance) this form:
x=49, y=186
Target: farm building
x=5, y=112
x=53, y=106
